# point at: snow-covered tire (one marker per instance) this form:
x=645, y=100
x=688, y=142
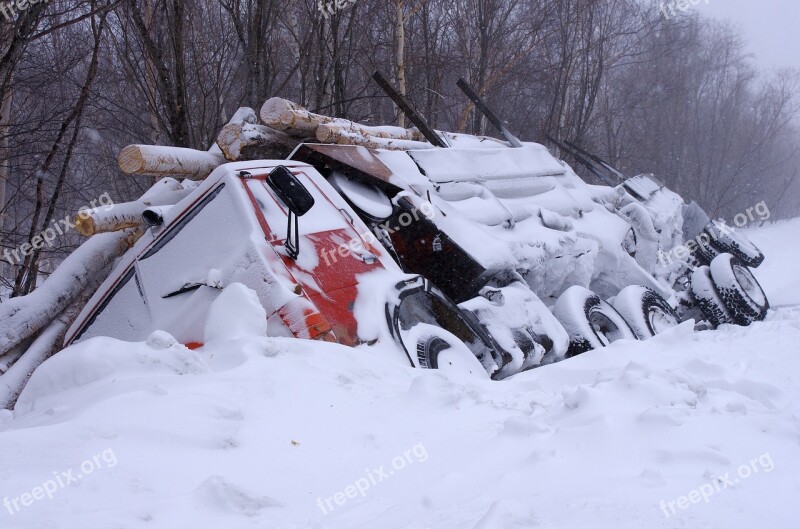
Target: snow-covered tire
x=418, y=310
x=645, y=310
x=438, y=351
x=590, y=322
x=736, y=245
x=704, y=252
x=708, y=299
x=739, y=290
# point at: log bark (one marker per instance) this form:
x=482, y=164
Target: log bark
x=247, y=141
x=152, y=160
x=41, y=347
x=116, y=217
x=332, y=132
x=346, y=137
x=25, y=316
x=244, y=115
x=45, y=345
x=281, y=114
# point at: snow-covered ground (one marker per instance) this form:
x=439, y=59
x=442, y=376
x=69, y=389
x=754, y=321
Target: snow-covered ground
x=688, y=429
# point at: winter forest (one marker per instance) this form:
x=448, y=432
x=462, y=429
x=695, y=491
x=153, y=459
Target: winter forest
x=675, y=95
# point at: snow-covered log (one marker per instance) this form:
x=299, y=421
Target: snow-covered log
x=9, y=358
x=244, y=115
x=281, y=114
x=153, y=160
x=247, y=141
x=334, y=132
x=116, y=217
x=13, y=380
x=21, y=318
x=345, y=136
x=39, y=348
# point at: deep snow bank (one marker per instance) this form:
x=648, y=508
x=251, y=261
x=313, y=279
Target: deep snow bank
x=263, y=432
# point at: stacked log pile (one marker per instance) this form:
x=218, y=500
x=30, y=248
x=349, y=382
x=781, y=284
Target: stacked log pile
x=273, y=133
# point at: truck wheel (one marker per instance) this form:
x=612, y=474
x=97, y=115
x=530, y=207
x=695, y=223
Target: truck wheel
x=704, y=253
x=736, y=245
x=708, y=299
x=590, y=322
x=645, y=310
x=447, y=353
x=417, y=312
x=741, y=293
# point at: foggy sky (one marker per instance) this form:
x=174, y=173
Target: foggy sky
x=771, y=27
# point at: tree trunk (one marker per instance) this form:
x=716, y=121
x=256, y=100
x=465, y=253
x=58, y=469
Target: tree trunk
x=5, y=165
x=400, y=55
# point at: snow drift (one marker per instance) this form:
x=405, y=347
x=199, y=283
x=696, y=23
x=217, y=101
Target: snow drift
x=252, y=431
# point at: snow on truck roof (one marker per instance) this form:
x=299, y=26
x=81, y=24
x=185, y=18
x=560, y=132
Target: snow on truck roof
x=499, y=163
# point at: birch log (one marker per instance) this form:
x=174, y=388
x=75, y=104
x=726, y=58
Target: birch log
x=116, y=217
x=281, y=114
x=23, y=317
x=13, y=381
x=346, y=137
x=334, y=132
x=246, y=141
x=153, y=160
x=48, y=342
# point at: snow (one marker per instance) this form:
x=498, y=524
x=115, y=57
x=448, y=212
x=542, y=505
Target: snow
x=779, y=277
x=688, y=429
x=236, y=313
x=369, y=199
x=470, y=164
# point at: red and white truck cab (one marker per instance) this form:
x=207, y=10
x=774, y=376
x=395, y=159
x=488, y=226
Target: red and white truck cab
x=279, y=228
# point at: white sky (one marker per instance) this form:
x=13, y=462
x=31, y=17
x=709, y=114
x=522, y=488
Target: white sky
x=772, y=27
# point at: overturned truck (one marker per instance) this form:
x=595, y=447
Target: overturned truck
x=433, y=249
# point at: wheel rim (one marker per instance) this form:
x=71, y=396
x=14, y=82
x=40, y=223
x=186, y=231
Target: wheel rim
x=446, y=352
x=603, y=327
x=460, y=360
x=748, y=283
x=660, y=320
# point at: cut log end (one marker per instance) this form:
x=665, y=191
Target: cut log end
x=131, y=160
x=84, y=225
x=151, y=160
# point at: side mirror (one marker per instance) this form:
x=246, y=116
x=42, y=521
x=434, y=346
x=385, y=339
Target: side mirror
x=299, y=201
x=290, y=190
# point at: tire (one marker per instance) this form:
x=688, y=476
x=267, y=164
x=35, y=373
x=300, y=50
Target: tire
x=741, y=293
x=645, y=310
x=708, y=298
x=418, y=310
x=704, y=252
x=735, y=244
x=440, y=350
x=590, y=322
